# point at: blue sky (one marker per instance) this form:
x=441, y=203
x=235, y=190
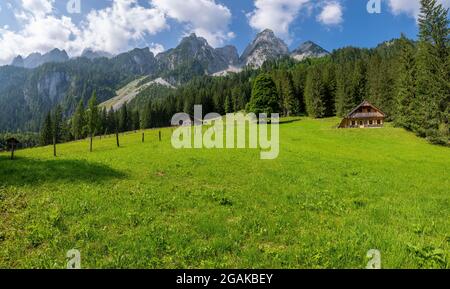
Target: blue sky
x=115, y=26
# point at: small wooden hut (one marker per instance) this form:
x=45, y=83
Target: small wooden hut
x=365, y=115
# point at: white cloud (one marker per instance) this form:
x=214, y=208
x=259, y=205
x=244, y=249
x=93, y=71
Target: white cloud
x=276, y=15
x=410, y=7
x=38, y=35
x=156, y=48
x=204, y=17
x=113, y=29
x=331, y=14
x=38, y=8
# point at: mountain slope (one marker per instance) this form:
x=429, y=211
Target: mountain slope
x=129, y=92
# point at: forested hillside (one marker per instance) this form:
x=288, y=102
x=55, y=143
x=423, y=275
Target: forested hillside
x=26, y=95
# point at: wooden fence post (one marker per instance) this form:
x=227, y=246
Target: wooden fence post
x=13, y=146
x=54, y=146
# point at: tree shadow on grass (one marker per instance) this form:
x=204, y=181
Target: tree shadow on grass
x=286, y=121
x=24, y=171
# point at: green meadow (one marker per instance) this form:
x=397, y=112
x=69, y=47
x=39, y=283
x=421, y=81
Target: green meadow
x=330, y=197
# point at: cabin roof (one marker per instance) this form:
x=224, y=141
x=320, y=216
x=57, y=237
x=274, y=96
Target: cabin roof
x=365, y=103
x=366, y=115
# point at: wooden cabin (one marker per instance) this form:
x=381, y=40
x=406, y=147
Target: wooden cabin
x=365, y=115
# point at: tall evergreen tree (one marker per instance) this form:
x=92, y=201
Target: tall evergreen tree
x=433, y=71
x=78, y=122
x=405, y=109
x=291, y=104
x=239, y=100
x=228, y=104
x=57, y=124
x=299, y=74
x=264, y=96
x=103, y=127
x=329, y=82
x=47, y=130
x=380, y=82
x=359, y=83
x=344, y=97
x=314, y=93
x=124, y=118
x=135, y=120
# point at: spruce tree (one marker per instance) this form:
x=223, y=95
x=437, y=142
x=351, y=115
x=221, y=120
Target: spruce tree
x=57, y=124
x=78, y=122
x=344, y=96
x=46, y=131
x=228, y=104
x=291, y=105
x=433, y=72
x=329, y=81
x=314, y=93
x=136, y=120
x=406, y=87
x=299, y=74
x=103, y=127
x=358, y=88
x=238, y=97
x=264, y=96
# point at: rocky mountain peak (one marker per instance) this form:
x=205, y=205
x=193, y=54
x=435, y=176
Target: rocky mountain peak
x=265, y=46
x=194, y=49
x=18, y=61
x=309, y=49
x=229, y=54
x=89, y=53
x=37, y=59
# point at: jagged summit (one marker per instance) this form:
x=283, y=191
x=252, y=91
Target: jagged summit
x=37, y=59
x=194, y=53
x=264, y=47
x=195, y=50
x=308, y=49
x=93, y=54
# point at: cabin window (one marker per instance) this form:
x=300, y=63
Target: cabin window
x=360, y=122
x=371, y=122
x=369, y=110
x=353, y=122
x=378, y=121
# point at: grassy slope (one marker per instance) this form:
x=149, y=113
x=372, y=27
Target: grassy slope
x=330, y=197
x=123, y=95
